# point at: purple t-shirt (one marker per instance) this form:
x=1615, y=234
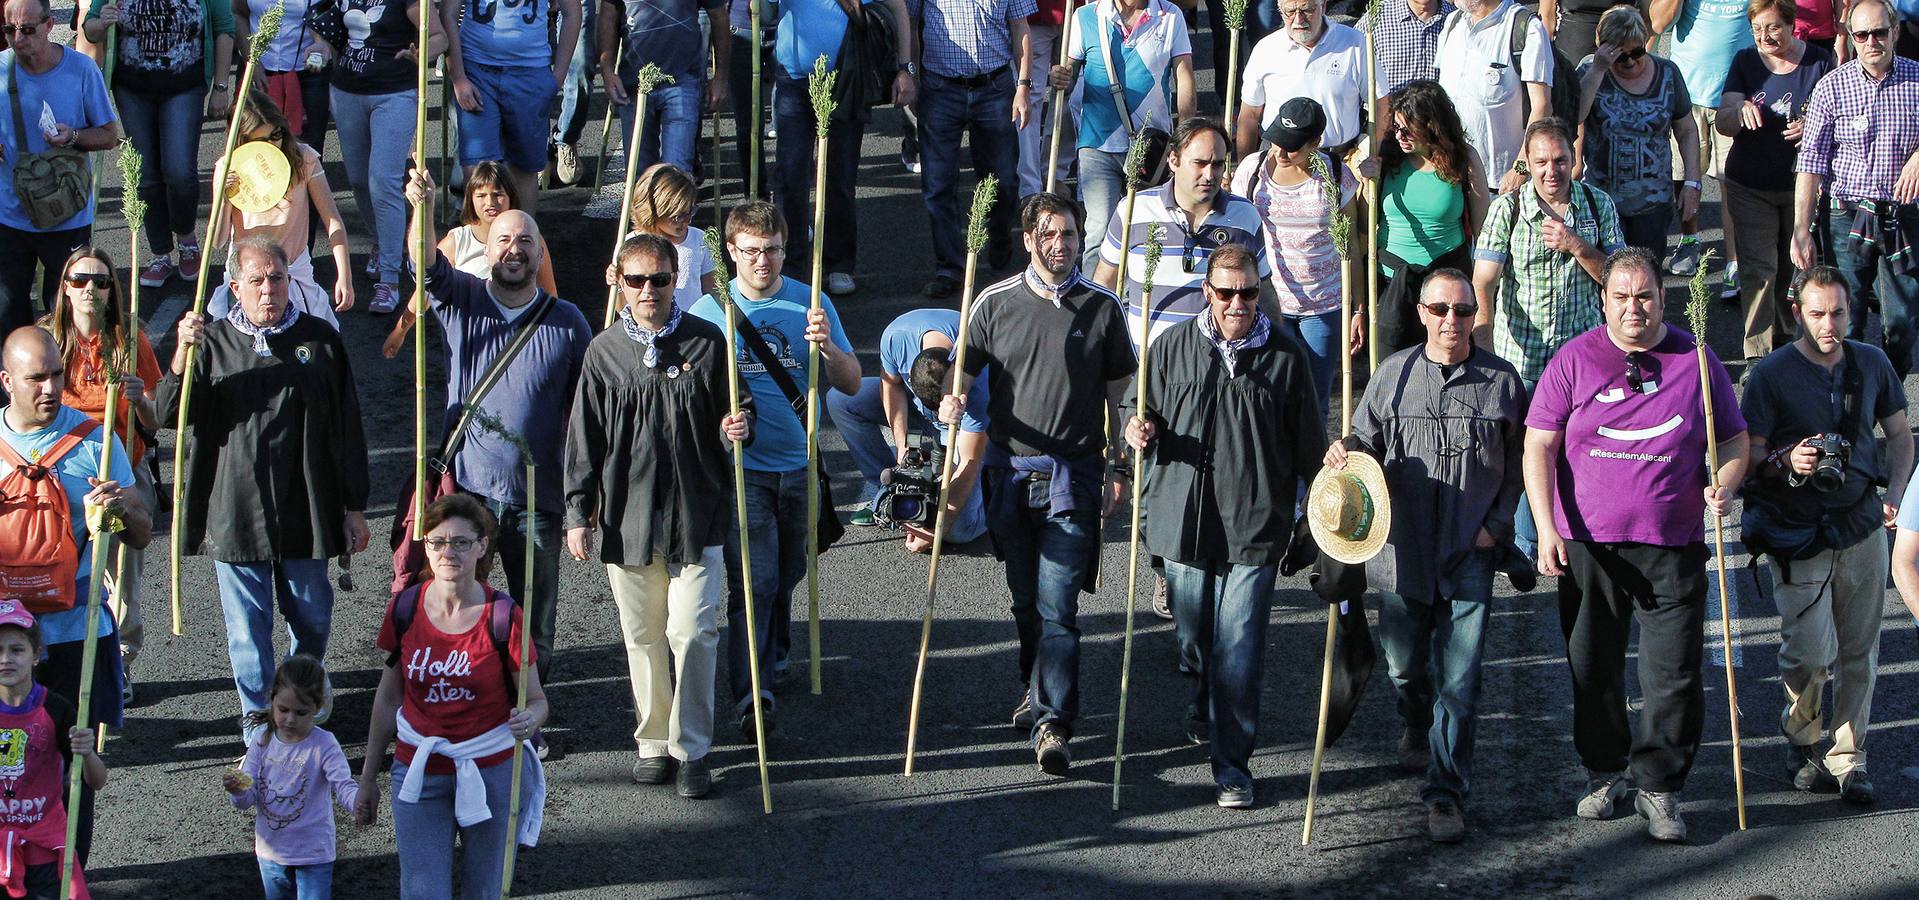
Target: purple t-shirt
x=294, y=787
x=1633, y=466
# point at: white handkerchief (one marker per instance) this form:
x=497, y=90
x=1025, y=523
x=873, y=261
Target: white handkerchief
x=49, y=126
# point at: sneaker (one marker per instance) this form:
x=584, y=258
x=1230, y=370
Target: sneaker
x=652, y=769
x=189, y=261
x=1806, y=769
x=1602, y=788
x=1235, y=796
x=862, y=517
x=386, y=299
x=1023, y=713
x=157, y=272
x=1684, y=261
x=910, y=153
x=126, y=695
x=840, y=284
x=941, y=287
x=566, y=164
x=1162, y=599
x=1855, y=787
x=1413, y=750
x=1054, y=757
x=1660, y=809
x=1444, y=822
x=541, y=749
x=1198, y=731
x=1729, y=285
x=372, y=269
x=694, y=780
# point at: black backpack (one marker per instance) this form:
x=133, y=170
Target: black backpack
x=1564, y=93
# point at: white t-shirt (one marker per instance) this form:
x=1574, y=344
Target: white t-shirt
x=1144, y=57
x=1333, y=72
x=1476, y=70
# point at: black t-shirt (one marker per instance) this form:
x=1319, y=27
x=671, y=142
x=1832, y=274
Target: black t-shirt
x=1789, y=397
x=160, y=47
x=1762, y=160
x=1050, y=365
x=376, y=30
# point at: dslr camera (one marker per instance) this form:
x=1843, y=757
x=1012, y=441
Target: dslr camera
x=1829, y=472
x=909, y=492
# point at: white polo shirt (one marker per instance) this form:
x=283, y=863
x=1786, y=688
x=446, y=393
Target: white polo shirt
x=1476, y=70
x=1333, y=72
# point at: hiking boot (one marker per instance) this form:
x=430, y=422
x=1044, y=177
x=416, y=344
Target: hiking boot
x=157, y=272
x=652, y=769
x=1855, y=787
x=694, y=781
x=566, y=164
x=189, y=261
x=1162, y=598
x=1413, y=750
x=1235, y=796
x=1806, y=769
x=1023, y=713
x=1684, y=261
x=1444, y=822
x=1602, y=788
x=1661, y=812
x=1054, y=757
x=386, y=299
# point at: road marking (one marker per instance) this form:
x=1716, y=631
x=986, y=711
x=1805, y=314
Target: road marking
x=163, y=319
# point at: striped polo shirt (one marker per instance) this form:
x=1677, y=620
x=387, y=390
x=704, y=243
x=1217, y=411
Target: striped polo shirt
x=1182, y=265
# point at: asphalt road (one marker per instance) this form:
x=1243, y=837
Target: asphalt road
x=979, y=819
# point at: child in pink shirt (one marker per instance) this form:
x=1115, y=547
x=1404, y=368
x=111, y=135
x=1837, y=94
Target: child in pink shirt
x=286, y=778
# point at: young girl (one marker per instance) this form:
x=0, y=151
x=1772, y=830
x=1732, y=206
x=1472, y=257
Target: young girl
x=489, y=192
x=38, y=738
x=664, y=197
x=288, y=221
x=286, y=777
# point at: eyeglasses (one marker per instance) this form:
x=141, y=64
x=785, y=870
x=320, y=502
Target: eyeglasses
x=456, y=544
x=24, y=30
x=637, y=280
x=1462, y=310
x=1871, y=34
x=1302, y=13
x=1635, y=371
x=758, y=253
x=1231, y=294
x=1407, y=130
x=82, y=279
x=1769, y=30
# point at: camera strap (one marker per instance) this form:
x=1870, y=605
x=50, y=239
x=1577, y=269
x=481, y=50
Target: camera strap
x=750, y=336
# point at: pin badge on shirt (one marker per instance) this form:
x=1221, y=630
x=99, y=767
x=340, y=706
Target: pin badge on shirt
x=672, y=372
x=303, y=354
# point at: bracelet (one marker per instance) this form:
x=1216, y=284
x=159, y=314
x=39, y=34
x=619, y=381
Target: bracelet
x=1692, y=183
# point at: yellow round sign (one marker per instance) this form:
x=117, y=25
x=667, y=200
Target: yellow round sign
x=257, y=177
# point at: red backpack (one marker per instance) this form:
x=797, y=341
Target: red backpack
x=39, y=556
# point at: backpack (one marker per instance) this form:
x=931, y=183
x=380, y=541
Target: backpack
x=867, y=63
x=1564, y=93
x=39, y=556
x=499, y=622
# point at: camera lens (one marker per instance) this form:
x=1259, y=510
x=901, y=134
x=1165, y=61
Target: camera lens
x=908, y=509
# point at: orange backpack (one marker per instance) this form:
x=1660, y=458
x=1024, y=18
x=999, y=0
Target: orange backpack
x=38, y=554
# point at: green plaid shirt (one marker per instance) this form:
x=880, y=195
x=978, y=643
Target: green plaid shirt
x=1545, y=297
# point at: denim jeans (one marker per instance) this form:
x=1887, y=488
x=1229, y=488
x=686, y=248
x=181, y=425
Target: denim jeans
x=166, y=131
x=309, y=882
x=247, y=598
x=542, y=602
x=1647, y=230
x=1525, y=532
x=1219, y=613
x=1319, y=334
x=1102, y=188
x=376, y=131
x=1868, y=278
x=776, y=525
x=1047, y=561
x=949, y=110
x=1433, y=648
x=793, y=173
x=577, y=93
x=861, y=420
x=423, y=833
x=672, y=123
x=19, y=251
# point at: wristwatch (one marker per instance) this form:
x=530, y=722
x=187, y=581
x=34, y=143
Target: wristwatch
x=1026, y=83
x=1691, y=183
x=1519, y=165
x=911, y=68
x=219, y=87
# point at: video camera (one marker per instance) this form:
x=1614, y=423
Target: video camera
x=909, y=492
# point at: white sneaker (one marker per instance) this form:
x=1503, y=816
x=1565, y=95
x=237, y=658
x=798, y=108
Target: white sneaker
x=839, y=283
x=1602, y=789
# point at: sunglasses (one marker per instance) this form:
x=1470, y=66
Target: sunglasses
x=637, y=280
x=1629, y=55
x=22, y=30
x=1871, y=34
x=1231, y=294
x=1636, y=372
x=82, y=279
x=1462, y=310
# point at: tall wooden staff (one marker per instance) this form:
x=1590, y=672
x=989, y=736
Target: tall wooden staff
x=103, y=524
x=1155, y=241
x=1372, y=203
x=983, y=194
x=423, y=236
x=715, y=247
x=1135, y=168
x=1057, y=97
x=1696, y=311
x=820, y=86
x=753, y=125
x=135, y=211
x=606, y=126
x=649, y=77
x=1342, y=237
x=1234, y=15
x=262, y=36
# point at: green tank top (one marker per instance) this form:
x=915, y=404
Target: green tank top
x=1425, y=215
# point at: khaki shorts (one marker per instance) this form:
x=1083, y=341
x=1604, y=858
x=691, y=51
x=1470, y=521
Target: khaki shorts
x=1713, y=146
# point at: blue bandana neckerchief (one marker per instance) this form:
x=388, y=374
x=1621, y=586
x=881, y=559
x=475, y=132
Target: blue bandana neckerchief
x=649, y=338
x=237, y=317
x=1229, y=350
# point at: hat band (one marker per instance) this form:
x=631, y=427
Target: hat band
x=1365, y=523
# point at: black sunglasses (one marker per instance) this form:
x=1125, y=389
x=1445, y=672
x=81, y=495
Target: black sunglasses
x=1871, y=34
x=1462, y=310
x=1230, y=294
x=1632, y=54
x=23, y=30
x=637, y=280
x=82, y=279
x=1635, y=371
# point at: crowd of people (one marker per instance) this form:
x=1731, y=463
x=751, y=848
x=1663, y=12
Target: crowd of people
x=1536, y=174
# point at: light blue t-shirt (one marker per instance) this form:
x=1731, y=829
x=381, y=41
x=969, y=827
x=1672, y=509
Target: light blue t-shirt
x=779, y=436
x=76, y=93
x=900, y=345
x=807, y=29
x=1704, y=40
x=506, y=33
x=74, y=468
x=1909, y=507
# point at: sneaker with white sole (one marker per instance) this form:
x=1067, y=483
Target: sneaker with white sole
x=840, y=284
x=1023, y=713
x=372, y=269
x=566, y=163
x=1055, y=758
x=189, y=261
x=386, y=299
x=1684, y=260
x=1660, y=809
x=1602, y=789
x=157, y=272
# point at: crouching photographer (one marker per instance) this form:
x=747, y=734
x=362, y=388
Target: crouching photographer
x=1813, y=508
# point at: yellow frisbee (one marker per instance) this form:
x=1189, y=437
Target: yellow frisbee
x=259, y=175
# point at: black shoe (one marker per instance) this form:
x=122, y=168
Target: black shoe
x=694, y=780
x=1855, y=787
x=1413, y=750
x=652, y=769
x=1445, y=824
x=766, y=720
x=1806, y=769
x=1023, y=713
x=1054, y=757
x=941, y=287
x=1235, y=797
x=1162, y=598
x=1199, y=731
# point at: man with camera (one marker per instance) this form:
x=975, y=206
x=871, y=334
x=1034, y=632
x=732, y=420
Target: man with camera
x=916, y=362
x=1812, y=506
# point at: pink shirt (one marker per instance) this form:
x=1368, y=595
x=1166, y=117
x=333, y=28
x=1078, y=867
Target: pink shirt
x=1298, y=232
x=1813, y=20
x=293, y=824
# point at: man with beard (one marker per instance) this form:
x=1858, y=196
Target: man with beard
x=1060, y=361
x=276, y=477
x=482, y=319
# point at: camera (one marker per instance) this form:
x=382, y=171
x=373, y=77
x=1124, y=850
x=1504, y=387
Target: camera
x=909, y=492
x=1829, y=472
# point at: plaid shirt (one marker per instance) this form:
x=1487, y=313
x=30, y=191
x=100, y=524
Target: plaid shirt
x=1545, y=296
x=1860, y=132
x=1406, y=45
x=963, y=38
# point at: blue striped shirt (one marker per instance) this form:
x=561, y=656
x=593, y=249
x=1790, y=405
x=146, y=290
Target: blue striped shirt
x=964, y=38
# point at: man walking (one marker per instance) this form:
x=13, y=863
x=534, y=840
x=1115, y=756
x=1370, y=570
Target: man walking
x=505, y=66
x=1314, y=57
x=665, y=33
x=1498, y=93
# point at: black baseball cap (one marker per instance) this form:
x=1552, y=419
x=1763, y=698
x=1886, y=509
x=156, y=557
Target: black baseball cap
x=1300, y=120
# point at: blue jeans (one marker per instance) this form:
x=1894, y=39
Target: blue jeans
x=247, y=592
x=672, y=123
x=423, y=833
x=1319, y=334
x=776, y=526
x=310, y=882
x=1433, y=648
x=949, y=110
x=1102, y=188
x=577, y=93
x=513, y=120
x=793, y=179
x=543, y=601
x=1220, y=612
x=376, y=131
x=861, y=420
x=1048, y=559
x=1868, y=278
x=166, y=131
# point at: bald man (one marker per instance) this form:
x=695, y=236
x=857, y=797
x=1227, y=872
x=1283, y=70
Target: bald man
x=531, y=394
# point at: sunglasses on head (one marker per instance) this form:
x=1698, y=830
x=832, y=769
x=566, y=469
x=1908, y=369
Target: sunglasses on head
x=637, y=280
x=22, y=30
x=1871, y=34
x=1231, y=294
x=1462, y=310
x=82, y=279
